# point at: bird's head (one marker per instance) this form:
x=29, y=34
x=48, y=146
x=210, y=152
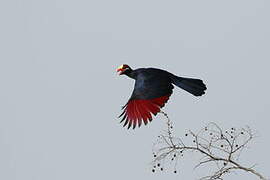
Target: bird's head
x=123, y=69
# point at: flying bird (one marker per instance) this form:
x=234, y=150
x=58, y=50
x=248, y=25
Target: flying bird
x=152, y=90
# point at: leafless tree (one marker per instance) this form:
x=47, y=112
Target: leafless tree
x=218, y=148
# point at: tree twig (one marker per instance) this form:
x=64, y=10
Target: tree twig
x=212, y=143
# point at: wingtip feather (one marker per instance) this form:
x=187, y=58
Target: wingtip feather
x=140, y=110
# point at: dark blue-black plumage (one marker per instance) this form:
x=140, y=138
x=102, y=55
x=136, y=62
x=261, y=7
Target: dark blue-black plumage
x=152, y=90
x=152, y=83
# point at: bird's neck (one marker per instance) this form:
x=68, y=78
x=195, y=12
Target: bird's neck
x=132, y=74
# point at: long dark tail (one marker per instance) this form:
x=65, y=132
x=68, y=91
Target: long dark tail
x=193, y=86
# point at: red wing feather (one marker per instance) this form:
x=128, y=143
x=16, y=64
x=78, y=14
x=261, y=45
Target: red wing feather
x=138, y=110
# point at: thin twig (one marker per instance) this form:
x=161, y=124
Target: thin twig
x=212, y=143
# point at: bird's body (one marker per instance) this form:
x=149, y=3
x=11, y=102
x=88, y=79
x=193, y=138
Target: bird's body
x=148, y=79
x=152, y=90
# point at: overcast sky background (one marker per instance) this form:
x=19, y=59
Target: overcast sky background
x=60, y=95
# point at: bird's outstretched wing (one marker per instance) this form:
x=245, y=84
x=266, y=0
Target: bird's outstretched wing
x=149, y=95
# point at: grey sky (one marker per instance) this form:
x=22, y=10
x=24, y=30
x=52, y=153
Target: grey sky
x=60, y=94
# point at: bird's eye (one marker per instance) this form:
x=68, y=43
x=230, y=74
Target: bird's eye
x=125, y=67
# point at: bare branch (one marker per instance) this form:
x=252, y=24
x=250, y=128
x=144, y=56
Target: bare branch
x=216, y=146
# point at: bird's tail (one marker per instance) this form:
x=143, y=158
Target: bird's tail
x=193, y=86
